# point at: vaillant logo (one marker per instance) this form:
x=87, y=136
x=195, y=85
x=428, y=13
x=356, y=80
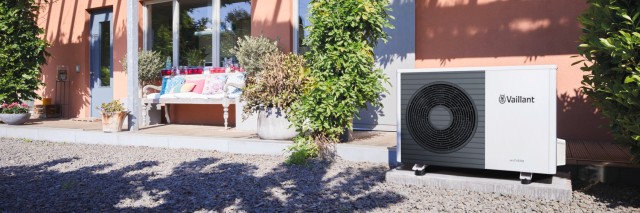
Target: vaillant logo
x=504, y=99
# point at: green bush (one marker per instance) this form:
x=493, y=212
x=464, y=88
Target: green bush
x=22, y=51
x=149, y=65
x=341, y=62
x=610, y=46
x=252, y=51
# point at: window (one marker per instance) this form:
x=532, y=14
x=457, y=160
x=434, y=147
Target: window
x=105, y=54
x=193, y=40
x=301, y=22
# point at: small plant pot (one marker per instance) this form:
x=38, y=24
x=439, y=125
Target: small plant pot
x=15, y=119
x=112, y=122
x=273, y=125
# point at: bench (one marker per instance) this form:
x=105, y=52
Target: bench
x=225, y=92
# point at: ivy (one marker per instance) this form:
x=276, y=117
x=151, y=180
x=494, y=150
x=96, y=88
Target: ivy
x=610, y=47
x=22, y=51
x=342, y=36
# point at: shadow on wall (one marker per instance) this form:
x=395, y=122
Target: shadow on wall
x=575, y=115
x=203, y=184
x=532, y=28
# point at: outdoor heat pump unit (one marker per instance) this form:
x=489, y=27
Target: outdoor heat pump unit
x=497, y=118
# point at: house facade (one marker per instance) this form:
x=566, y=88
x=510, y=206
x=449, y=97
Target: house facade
x=88, y=39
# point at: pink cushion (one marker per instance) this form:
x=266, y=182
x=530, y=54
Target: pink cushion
x=199, y=85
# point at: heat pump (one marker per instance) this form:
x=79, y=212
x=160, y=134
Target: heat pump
x=497, y=118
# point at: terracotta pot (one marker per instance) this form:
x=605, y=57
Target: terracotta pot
x=112, y=122
x=273, y=125
x=15, y=119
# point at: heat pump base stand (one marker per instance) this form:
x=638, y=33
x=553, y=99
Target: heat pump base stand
x=420, y=169
x=525, y=177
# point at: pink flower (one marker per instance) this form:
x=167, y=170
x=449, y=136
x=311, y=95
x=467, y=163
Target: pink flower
x=24, y=105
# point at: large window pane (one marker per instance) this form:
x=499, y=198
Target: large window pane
x=195, y=32
x=303, y=23
x=105, y=53
x=161, y=35
x=235, y=22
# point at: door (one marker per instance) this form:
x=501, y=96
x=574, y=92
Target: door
x=101, y=60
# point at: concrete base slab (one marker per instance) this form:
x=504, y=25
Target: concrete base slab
x=553, y=188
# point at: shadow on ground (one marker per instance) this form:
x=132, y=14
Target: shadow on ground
x=203, y=184
x=614, y=195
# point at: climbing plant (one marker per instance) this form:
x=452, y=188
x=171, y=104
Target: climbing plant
x=610, y=47
x=342, y=36
x=22, y=50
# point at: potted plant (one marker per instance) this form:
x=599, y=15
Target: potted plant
x=113, y=115
x=271, y=92
x=14, y=113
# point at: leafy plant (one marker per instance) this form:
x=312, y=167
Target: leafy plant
x=22, y=50
x=14, y=108
x=149, y=65
x=610, y=46
x=111, y=107
x=302, y=150
x=252, y=51
x=280, y=83
x=341, y=39
x=196, y=57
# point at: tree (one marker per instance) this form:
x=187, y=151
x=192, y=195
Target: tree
x=610, y=46
x=22, y=51
x=341, y=60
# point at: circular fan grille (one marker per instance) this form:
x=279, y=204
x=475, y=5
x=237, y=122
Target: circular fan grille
x=441, y=117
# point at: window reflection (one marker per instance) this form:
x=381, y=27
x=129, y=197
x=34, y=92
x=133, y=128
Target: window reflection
x=161, y=30
x=105, y=53
x=303, y=23
x=235, y=22
x=195, y=32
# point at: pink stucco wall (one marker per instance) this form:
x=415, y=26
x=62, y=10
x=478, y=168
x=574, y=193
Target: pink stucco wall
x=458, y=33
x=66, y=26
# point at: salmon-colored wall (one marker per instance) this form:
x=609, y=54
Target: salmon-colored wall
x=272, y=18
x=66, y=25
x=459, y=33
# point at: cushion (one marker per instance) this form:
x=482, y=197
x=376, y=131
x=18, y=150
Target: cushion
x=215, y=96
x=187, y=87
x=236, y=77
x=168, y=95
x=172, y=83
x=214, y=84
x=199, y=85
x=163, y=89
x=177, y=88
x=153, y=96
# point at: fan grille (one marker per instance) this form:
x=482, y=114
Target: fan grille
x=441, y=117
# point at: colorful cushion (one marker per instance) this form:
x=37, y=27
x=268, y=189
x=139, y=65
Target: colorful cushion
x=164, y=86
x=199, y=85
x=187, y=87
x=214, y=84
x=172, y=83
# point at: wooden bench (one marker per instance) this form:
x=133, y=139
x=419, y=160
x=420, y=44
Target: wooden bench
x=225, y=101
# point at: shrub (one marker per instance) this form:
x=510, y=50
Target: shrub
x=341, y=39
x=278, y=85
x=251, y=52
x=149, y=65
x=22, y=50
x=111, y=107
x=610, y=47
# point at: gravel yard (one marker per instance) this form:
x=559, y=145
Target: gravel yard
x=51, y=177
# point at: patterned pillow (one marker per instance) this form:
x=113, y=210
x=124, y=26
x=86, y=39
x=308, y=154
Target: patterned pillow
x=214, y=84
x=236, y=78
x=187, y=87
x=172, y=83
x=164, y=85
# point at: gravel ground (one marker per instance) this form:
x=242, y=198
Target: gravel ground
x=42, y=176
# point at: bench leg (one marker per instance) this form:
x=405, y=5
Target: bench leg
x=225, y=115
x=166, y=113
x=145, y=114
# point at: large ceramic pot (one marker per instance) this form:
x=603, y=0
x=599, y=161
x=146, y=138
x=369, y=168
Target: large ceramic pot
x=15, y=119
x=112, y=122
x=273, y=125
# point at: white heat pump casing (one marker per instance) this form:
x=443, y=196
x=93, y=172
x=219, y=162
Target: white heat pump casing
x=518, y=136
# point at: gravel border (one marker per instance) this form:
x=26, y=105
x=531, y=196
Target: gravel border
x=39, y=176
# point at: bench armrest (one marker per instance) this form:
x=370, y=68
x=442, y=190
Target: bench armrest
x=146, y=88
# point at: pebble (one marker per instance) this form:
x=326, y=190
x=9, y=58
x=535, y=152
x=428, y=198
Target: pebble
x=43, y=176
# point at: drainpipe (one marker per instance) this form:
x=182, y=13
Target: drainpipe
x=133, y=101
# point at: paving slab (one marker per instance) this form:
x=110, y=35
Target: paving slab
x=552, y=188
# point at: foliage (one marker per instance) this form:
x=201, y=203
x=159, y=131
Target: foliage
x=341, y=39
x=196, y=57
x=610, y=47
x=22, y=50
x=252, y=51
x=149, y=65
x=280, y=83
x=14, y=108
x=111, y=107
x=302, y=150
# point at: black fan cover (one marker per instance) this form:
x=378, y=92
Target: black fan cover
x=441, y=117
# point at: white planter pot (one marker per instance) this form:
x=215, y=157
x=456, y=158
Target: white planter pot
x=15, y=119
x=272, y=125
x=112, y=122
